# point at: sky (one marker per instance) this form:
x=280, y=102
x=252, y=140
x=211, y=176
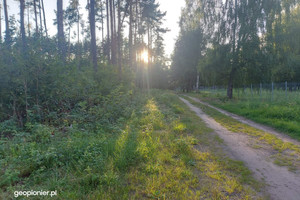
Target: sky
x=173, y=8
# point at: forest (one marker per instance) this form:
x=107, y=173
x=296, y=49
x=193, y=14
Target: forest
x=37, y=70
x=92, y=107
x=238, y=43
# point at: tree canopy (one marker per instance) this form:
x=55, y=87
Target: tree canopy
x=40, y=72
x=242, y=42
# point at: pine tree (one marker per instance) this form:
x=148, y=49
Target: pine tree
x=22, y=9
x=44, y=16
x=7, y=30
x=93, y=34
x=60, y=30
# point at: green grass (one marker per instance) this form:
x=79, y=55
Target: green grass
x=152, y=147
x=283, y=113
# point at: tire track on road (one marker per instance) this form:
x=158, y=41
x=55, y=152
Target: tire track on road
x=281, y=184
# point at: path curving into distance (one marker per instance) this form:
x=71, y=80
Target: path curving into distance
x=243, y=120
x=281, y=184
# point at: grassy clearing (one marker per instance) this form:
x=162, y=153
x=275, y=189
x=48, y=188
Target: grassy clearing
x=283, y=113
x=153, y=147
x=284, y=153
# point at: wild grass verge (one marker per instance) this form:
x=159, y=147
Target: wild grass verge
x=137, y=146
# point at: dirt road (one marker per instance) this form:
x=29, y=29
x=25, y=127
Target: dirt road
x=243, y=120
x=281, y=184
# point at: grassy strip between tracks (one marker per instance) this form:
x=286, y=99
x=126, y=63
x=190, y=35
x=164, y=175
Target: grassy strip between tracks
x=283, y=153
x=282, y=114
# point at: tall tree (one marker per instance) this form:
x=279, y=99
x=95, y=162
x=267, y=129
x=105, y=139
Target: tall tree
x=152, y=18
x=22, y=21
x=7, y=30
x=35, y=18
x=0, y=23
x=112, y=30
x=234, y=52
x=28, y=18
x=71, y=17
x=78, y=21
x=40, y=15
x=130, y=33
x=93, y=34
x=136, y=26
x=102, y=21
x=25, y=82
x=99, y=17
x=60, y=29
x=108, y=33
x=44, y=16
x=119, y=37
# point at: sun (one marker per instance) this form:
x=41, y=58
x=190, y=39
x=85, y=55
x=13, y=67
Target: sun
x=145, y=56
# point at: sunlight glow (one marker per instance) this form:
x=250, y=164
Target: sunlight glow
x=145, y=56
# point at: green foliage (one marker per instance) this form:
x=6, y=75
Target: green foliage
x=146, y=149
x=83, y=149
x=39, y=133
x=239, y=42
x=186, y=57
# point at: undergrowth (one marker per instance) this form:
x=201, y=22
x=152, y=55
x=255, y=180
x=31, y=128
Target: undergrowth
x=126, y=145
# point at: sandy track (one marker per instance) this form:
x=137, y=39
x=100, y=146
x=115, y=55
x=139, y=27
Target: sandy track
x=243, y=120
x=281, y=184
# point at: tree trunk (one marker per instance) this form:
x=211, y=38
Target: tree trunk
x=28, y=20
x=69, y=37
x=112, y=30
x=102, y=30
x=197, y=83
x=60, y=29
x=44, y=15
x=35, y=18
x=114, y=18
x=7, y=31
x=136, y=27
x=22, y=9
x=40, y=13
x=108, y=34
x=230, y=85
x=78, y=25
x=78, y=40
x=119, y=40
x=0, y=24
x=93, y=35
x=130, y=34
x=137, y=82
x=234, y=62
x=149, y=42
x=26, y=98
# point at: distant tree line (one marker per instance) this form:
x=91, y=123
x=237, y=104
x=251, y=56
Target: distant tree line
x=237, y=42
x=40, y=73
